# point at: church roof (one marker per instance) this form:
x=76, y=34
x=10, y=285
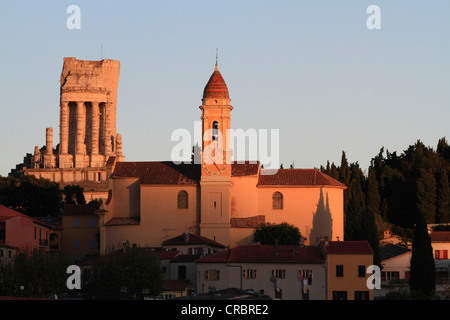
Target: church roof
x=216, y=87
x=159, y=172
x=296, y=177
x=167, y=172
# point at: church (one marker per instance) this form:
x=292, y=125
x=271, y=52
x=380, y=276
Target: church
x=150, y=202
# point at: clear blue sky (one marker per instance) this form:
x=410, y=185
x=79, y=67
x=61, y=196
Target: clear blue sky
x=309, y=68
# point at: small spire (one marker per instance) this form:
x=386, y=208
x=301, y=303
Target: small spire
x=217, y=57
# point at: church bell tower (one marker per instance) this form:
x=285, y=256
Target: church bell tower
x=216, y=160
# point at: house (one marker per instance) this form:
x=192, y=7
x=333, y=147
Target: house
x=281, y=272
x=395, y=261
x=440, y=241
x=191, y=247
x=81, y=231
x=27, y=233
x=7, y=255
x=346, y=265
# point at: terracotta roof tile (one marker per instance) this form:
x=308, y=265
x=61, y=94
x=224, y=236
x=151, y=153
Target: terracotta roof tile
x=440, y=236
x=164, y=172
x=348, y=247
x=192, y=239
x=80, y=209
x=266, y=254
x=123, y=221
x=216, y=87
x=248, y=222
x=244, y=168
x=297, y=177
x=176, y=285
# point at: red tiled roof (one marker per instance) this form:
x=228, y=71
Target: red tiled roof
x=7, y=213
x=185, y=258
x=110, y=162
x=80, y=209
x=249, y=222
x=164, y=172
x=266, y=254
x=348, y=247
x=440, y=236
x=193, y=239
x=216, y=87
x=161, y=255
x=176, y=285
x=246, y=168
x=123, y=221
x=297, y=177
x=167, y=172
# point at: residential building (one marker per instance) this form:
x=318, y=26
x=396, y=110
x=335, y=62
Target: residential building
x=395, y=261
x=440, y=241
x=281, y=272
x=26, y=233
x=346, y=269
x=81, y=231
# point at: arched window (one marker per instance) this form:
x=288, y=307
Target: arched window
x=277, y=200
x=215, y=131
x=182, y=200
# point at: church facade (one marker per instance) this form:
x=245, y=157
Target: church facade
x=150, y=202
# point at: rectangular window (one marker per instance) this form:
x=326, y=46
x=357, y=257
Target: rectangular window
x=305, y=274
x=212, y=275
x=279, y=273
x=362, y=271
x=249, y=274
x=339, y=295
x=361, y=295
x=440, y=254
x=91, y=243
x=35, y=233
x=339, y=270
x=92, y=222
x=76, y=222
x=76, y=244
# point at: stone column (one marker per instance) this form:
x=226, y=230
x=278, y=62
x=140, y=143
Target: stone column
x=107, y=129
x=80, y=146
x=64, y=128
x=49, y=141
x=95, y=127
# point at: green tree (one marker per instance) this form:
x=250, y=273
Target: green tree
x=125, y=275
x=426, y=195
x=281, y=234
x=443, y=197
x=40, y=274
x=31, y=196
x=74, y=194
x=422, y=280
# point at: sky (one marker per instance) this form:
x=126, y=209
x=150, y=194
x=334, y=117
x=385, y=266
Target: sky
x=311, y=69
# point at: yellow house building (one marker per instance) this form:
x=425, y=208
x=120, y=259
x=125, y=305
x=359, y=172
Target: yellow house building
x=80, y=231
x=346, y=264
x=152, y=201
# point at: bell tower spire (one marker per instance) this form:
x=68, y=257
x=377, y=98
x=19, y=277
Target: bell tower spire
x=215, y=180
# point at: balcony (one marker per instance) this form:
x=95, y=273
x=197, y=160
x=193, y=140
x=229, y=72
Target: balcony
x=43, y=242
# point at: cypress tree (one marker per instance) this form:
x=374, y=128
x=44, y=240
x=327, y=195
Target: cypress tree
x=426, y=195
x=443, y=197
x=422, y=280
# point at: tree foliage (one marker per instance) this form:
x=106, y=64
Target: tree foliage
x=125, y=275
x=281, y=234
